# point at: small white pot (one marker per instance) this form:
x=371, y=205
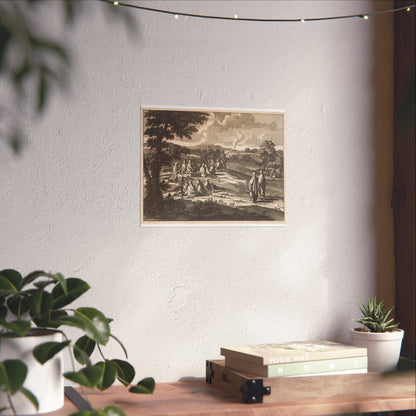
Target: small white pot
x=383, y=348
x=44, y=381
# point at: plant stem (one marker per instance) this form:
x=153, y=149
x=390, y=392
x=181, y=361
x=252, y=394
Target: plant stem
x=11, y=404
x=73, y=369
x=101, y=353
x=19, y=310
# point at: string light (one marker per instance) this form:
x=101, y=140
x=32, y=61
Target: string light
x=249, y=19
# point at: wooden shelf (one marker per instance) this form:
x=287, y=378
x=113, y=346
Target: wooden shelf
x=307, y=396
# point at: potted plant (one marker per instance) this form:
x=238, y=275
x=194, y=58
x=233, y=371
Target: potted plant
x=380, y=335
x=34, y=310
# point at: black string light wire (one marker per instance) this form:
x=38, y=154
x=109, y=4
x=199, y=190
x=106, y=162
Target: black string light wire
x=364, y=16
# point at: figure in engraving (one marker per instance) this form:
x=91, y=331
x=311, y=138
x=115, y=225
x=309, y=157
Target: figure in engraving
x=253, y=187
x=262, y=184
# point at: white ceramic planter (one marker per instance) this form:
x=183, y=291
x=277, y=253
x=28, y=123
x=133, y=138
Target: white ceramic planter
x=44, y=381
x=383, y=348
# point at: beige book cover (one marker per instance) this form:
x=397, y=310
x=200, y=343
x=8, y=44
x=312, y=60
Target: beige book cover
x=267, y=354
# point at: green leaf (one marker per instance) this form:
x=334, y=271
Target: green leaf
x=54, y=277
x=43, y=284
x=75, y=288
x=110, y=411
x=50, y=45
x=62, y=281
x=12, y=375
x=98, y=328
x=55, y=316
x=20, y=73
x=89, y=320
x=7, y=287
x=108, y=374
x=13, y=276
x=88, y=376
x=3, y=312
x=105, y=411
x=18, y=305
x=145, y=386
x=75, y=321
x=363, y=309
x=389, y=312
x=375, y=318
x=43, y=88
x=83, y=349
x=70, y=11
x=45, y=351
x=40, y=304
x=83, y=413
x=18, y=327
x=82, y=356
x=31, y=277
x=125, y=371
x=30, y=396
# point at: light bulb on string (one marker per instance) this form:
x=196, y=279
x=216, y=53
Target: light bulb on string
x=249, y=19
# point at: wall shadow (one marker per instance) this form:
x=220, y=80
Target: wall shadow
x=382, y=142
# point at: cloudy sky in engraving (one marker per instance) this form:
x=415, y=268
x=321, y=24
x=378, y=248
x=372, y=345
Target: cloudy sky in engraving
x=239, y=130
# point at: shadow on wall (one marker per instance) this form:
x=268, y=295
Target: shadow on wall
x=382, y=142
x=403, y=201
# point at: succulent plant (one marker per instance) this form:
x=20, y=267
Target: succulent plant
x=375, y=318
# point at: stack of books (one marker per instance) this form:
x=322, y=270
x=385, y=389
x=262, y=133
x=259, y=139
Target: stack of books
x=296, y=359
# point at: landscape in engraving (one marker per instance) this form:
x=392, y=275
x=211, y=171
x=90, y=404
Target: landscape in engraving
x=212, y=166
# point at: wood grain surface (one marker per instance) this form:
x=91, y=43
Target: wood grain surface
x=300, y=396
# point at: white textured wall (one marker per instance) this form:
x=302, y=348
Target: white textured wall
x=71, y=203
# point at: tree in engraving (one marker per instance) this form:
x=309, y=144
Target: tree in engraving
x=160, y=127
x=268, y=152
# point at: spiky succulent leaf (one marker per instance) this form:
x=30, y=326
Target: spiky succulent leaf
x=375, y=318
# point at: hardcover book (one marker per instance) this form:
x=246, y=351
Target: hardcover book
x=292, y=352
x=331, y=373
x=299, y=368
